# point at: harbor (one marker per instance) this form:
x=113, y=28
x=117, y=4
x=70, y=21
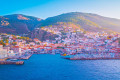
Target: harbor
x=91, y=46
x=53, y=67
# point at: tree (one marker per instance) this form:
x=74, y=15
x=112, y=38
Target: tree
x=14, y=43
x=14, y=36
x=1, y=42
x=6, y=40
x=84, y=32
x=38, y=43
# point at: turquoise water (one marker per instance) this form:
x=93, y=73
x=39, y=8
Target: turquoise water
x=52, y=67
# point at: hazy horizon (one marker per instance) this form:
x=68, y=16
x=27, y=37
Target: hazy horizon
x=58, y=15
x=49, y=8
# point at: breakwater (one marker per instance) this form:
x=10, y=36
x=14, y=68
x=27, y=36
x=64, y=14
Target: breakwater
x=12, y=62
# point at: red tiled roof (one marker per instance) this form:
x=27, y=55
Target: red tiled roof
x=16, y=47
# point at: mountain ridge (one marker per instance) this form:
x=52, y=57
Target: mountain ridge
x=82, y=19
x=18, y=23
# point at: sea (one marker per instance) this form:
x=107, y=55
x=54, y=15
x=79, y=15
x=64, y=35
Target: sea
x=53, y=67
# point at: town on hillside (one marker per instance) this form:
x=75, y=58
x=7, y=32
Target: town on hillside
x=72, y=45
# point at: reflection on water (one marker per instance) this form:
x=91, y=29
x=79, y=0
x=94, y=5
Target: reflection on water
x=52, y=67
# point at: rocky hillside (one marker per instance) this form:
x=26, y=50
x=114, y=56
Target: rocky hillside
x=18, y=23
x=53, y=31
x=42, y=35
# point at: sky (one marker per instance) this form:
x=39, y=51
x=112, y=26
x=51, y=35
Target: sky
x=48, y=8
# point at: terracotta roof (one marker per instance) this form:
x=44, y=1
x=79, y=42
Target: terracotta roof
x=16, y=47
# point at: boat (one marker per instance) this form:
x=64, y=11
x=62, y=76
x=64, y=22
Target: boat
x=66, y=56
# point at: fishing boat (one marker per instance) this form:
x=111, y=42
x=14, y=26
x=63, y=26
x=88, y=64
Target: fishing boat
x=66, y=56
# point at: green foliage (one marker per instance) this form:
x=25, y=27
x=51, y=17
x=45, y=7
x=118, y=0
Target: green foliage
x=14, y=43
x=1, y=42
x=24, y=38
x=6, y=40
x=84, y=32
x=38, y=43
x=14, y=36
x=50, y=25
x=60, y=47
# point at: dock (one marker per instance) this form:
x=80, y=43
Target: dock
x=25, y=57
x=12, y=62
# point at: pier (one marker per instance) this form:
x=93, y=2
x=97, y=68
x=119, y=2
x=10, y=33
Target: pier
x=25, y=57
x=12, y=62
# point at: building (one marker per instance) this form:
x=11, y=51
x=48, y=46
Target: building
x=17, y=50
x=3, y=52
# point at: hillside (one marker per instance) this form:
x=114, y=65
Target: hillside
x=53, y=31
x=18, y=23
x=87, y=21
